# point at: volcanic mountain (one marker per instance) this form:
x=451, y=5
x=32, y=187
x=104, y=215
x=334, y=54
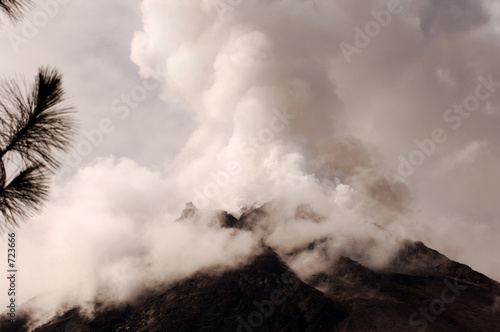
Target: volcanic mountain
x=420, y=290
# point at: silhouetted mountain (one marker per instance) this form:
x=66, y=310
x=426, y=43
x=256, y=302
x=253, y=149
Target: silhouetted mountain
x=417, y=259
x=435, y=294
x=420, y=290
x=263, y=293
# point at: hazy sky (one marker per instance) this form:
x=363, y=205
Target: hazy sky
x=90, y=44
x=321, y=102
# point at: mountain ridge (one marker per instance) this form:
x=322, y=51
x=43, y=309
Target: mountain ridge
x=419, y=290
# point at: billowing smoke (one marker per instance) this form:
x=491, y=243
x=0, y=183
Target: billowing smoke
x=269, y=122
x=112, y=237
x=319, y=101
x=326, y=110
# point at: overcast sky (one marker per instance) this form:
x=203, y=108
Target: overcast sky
x=219, y=78
x=90, y=44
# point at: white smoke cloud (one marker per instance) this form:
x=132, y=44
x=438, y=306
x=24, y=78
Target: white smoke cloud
x=109, y=234
x=266, y=107
x=279, y=115
x=234, y=64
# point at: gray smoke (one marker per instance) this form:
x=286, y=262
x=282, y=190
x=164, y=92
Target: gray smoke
x=287, y=107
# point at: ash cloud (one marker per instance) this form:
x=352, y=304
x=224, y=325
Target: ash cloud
x=353, y=120
x=278, y=115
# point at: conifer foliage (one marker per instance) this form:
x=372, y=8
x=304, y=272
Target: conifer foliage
x=15, y=9
x=35, y=125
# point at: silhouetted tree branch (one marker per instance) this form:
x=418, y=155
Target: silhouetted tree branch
x=34, y=125
x=15, y=9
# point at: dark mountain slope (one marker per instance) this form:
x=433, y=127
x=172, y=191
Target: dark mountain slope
x=416, y=259
x=226, y=302
x=422, y=290
x=265, y=296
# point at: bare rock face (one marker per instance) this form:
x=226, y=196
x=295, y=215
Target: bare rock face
x=189, y=211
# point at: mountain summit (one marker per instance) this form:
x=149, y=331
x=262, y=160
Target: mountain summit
x=420, y=290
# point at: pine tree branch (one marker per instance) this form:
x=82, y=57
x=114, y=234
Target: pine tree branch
x=34, y=125
x=24, y=195
x=34, y=122
x=15, y=9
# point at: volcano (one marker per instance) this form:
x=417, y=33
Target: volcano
x=420, y=290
